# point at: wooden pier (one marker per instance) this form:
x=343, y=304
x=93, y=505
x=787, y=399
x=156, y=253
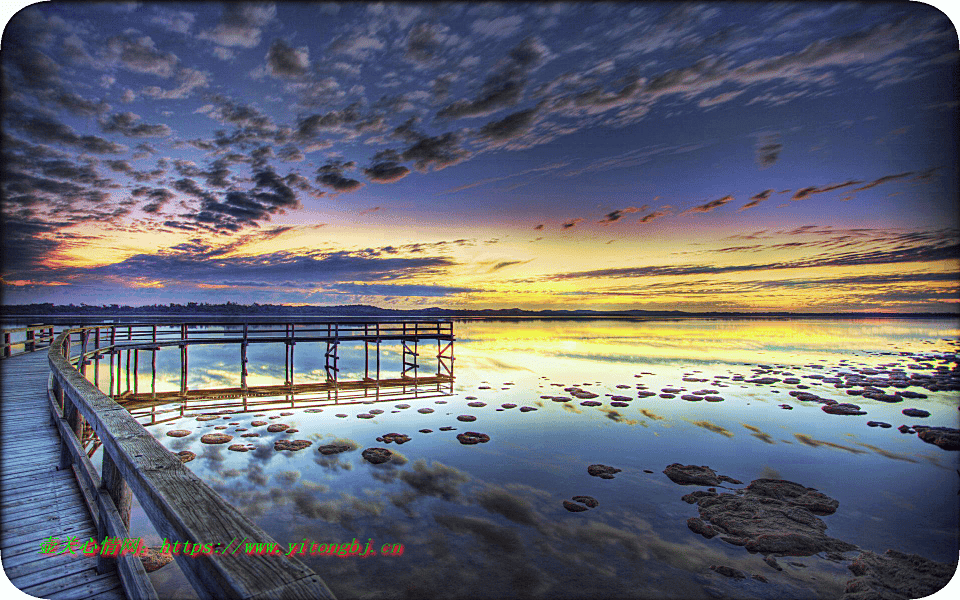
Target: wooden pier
x=40, y=501
x=50, y=488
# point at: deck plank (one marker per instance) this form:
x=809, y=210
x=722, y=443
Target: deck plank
x=36, y=500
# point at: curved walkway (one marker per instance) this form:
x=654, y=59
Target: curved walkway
x=37, y=501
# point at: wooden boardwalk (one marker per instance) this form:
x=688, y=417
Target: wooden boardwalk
x=36, y=500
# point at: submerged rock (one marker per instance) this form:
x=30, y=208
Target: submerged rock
x=277, y=427
x=591, y=403
x=602, y=471
x=879, y=424
x=772, y=516
x=527, y=409
x=916, y=412
x=426, y=431
x=292, y=445
x=476, y=404
x=399, y=438
x=468, y=438
x=590, y=501
x=186, y=456
x=376, y=455
x=943, y=437
x=619, y=404
x=448, y=428
x=424, y=411
x=843, y=409
x=694, y=475
x=179, y=433
x=257, y=423
x=573, y=506
x=895, y=575
x=697, y=525
x=467, y=418
x=216, y=438
x=728, y=571
x=328, y=449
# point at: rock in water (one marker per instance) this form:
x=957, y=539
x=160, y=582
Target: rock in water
x=602, y=471
x=376, y=455
x=728, y=571
x=895, y=575
x=772, y=516
x=590, y=501
x=468, y=438
x=292, y=445
x=573, y=506
x=694, y=475
x=216, y=438
x=333, y=449
x=944, y=437
x=916, y=412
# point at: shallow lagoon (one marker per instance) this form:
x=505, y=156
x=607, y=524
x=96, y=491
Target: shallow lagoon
x=488, y=521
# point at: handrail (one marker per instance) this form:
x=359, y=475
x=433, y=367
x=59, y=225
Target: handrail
x=180, y=505
x=31, y=341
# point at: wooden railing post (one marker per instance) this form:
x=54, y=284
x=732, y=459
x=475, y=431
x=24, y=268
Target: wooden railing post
x=30, y=346
x=111, y=481
x=6, y=345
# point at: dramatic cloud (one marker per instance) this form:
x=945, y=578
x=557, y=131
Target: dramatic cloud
x=241, y=25
x=768, y=149
x=286, y=62
x=756, y=199
x=331, y=175
x=616, y=215
x=127, y=124
x=709, y=206
x=504, y=86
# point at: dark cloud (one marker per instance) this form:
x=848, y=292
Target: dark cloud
x=881, y=180
x=504, y=86
x=241, y=24
x=616, y=215
x=127, y=123
x=768, y=149
x=806, y=192
x=80, y=106
x=920, y=254
x=436, y=152
x=156, y=198
x=571, y=223
x=401, y=290
x=140, y=54
x=286, y=62
x=756, y=199
x=331, y=175
x=386, y=172
x=47, y=129
x=709, y=206
x=426, y=41
x=510, y=126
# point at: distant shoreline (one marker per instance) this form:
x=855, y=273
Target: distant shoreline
x=232, y=312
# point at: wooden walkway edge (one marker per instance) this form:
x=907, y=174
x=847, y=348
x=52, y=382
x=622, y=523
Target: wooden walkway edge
x=36, y=500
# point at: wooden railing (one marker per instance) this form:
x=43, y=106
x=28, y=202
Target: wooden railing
x=35, y=337
x=179, y=505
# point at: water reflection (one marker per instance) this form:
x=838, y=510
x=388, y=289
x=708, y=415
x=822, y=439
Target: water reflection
x=487, y=520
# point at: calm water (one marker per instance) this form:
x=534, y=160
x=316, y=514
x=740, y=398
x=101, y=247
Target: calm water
x=487, y=520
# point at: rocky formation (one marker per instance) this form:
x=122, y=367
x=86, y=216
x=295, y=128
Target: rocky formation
x=944, y=437
x=590, y=501
x=602, y=471
x=216, y=438
x=895, y=576
x=769, y=516
x=333, y=448
x=179, y=433
x=694, y=475
x=292, y=445
x=376, y=455
x=468, y=438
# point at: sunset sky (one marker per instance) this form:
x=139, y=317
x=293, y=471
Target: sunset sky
x=718, y=156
